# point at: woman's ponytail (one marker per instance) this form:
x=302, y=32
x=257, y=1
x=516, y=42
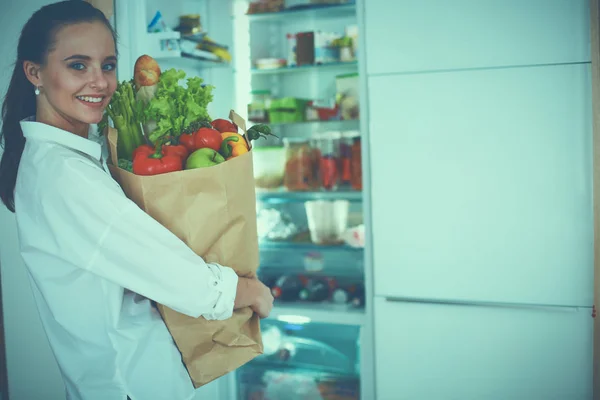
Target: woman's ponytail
x=19, y=103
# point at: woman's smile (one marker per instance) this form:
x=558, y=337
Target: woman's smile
x=94, y=101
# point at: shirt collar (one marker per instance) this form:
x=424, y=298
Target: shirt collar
x=43, y=132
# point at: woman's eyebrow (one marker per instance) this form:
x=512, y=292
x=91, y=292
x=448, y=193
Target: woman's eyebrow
x=87, y=58
x=77, y=57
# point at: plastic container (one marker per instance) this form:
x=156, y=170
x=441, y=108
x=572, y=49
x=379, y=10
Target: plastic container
x=328, y=145
x=347, y=95
x=291, y=49
x=356, y=164
x=346, y=141
x=286, y=110
x=270, y=63
x=257, y=110
x=269, y=167
x=327, y=220
x=301, y=165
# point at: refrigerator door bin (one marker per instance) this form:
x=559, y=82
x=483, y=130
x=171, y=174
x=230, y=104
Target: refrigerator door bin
x=303, y=360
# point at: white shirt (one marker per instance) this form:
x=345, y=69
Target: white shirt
x=94, y=259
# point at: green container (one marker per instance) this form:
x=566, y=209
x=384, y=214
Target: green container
x=286, y=110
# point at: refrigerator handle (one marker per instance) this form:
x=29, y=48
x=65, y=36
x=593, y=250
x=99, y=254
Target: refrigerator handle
x=470, y=303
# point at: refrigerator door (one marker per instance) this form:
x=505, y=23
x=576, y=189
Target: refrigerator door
x=481, y=185
x=442, y=35
x=473, y=352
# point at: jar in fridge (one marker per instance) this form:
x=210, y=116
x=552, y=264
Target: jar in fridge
x=346, y=141
x=258, y=108
x=356, y=164
x=301, y=165
x=269, y=167
x=328, y=145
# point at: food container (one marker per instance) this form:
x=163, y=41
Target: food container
x=287, y=110
x=347, y=138
x=328, y=145
x=270, y=63
x=257, y=110
x=301, y=165
x=189, y=24
x=347, y=96
x=269, y=167
x=291, y=49
x=356, y=164
x=327, y=220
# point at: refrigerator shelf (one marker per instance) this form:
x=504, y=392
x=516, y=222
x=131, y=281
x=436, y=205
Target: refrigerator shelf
x=333, y=260
x=308, y=247
x=286, y=69
x=325, y=312
x=284, y=196
x=332, y=123
x=313, y=11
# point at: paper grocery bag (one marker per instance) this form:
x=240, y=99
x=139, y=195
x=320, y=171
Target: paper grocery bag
x=213, y=210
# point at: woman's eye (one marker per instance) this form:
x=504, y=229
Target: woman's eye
x=77, y=66
x=109, y=67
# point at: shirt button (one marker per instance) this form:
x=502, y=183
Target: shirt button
x=215, y=283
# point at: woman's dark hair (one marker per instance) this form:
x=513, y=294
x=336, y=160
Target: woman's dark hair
x=36, y=41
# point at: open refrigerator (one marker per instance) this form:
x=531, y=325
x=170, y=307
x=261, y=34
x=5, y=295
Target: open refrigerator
x=297, y=70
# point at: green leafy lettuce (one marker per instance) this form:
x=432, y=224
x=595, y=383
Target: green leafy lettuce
x=175, y=107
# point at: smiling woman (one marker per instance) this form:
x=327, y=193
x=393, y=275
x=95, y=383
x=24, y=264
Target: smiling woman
x=77, y=79
x=94, y=259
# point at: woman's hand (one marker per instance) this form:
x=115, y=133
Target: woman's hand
x=254, y=294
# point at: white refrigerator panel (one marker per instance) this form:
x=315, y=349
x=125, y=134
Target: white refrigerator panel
x=409, y=35
x=466, y=352
x=481, y=185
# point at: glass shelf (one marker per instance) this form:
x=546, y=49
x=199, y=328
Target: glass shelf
x=348, y=122
x=313, y=11
x=323, y=312
x=301, y=68
x=307, y=247
x=283, y=196
x=190, y=60
x=336, y=260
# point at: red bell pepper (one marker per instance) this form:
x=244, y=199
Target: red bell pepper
x=155, y=162
x=178, y=150
x=144, y=150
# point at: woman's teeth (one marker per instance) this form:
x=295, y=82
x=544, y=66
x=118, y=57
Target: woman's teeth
x=90, y=99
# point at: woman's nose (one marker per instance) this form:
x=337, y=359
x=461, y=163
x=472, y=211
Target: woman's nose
x=98, y=81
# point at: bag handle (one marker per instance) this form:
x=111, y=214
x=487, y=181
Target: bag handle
x=113, y=136
x=241, y=123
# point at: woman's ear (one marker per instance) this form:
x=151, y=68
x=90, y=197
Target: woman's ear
x=32, y=72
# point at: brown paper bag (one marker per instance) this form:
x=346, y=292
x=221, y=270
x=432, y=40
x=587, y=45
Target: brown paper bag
x=213, y=210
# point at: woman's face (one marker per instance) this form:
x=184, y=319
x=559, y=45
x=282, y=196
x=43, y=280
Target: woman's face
x=79, y=77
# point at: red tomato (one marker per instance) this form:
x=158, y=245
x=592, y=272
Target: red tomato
x=222, y=125
x=207, y=137
x=187, y=139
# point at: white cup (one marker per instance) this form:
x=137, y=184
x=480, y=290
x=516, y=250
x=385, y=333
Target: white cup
x=327, y=220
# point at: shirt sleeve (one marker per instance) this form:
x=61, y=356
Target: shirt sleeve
x=102, y=231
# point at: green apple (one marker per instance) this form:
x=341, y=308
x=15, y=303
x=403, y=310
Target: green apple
x=205, y=157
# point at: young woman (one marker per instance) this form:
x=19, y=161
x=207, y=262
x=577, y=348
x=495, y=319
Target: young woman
x=94, y=258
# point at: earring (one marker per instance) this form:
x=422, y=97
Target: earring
x=37, y=91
